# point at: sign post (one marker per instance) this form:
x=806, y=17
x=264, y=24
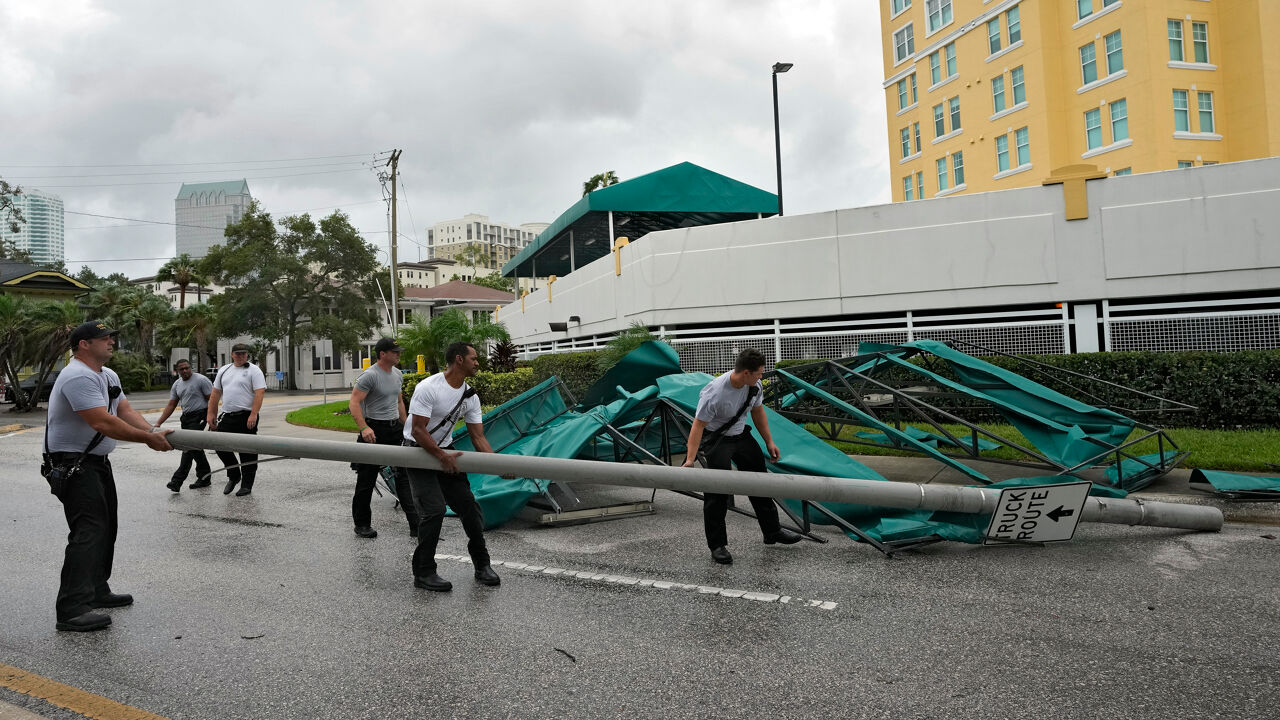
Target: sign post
x=1037, y=513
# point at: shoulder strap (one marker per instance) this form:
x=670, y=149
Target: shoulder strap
x=710, y=441
x=467, y=391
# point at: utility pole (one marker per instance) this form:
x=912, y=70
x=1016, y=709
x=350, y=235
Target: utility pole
x=394, y=162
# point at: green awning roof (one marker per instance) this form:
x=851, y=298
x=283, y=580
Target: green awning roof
x=683, y=195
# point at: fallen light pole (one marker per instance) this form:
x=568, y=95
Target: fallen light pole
x=877, y=493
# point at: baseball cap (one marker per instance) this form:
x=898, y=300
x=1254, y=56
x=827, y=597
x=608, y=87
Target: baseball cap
x=91, y=330
x=387, y=344
x=239, y=347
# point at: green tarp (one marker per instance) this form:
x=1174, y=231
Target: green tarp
x=1236, y=483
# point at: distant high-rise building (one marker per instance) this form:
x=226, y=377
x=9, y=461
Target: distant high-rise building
x=42, y=235
x=1128, y=87
x=202, y=211
x=498, y=242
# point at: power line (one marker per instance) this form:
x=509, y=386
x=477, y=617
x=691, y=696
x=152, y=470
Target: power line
x=170, y=182
x=211, y=162
x=204, y=227
x=26, y=178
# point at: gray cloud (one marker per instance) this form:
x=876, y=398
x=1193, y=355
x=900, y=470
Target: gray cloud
x=501, y=108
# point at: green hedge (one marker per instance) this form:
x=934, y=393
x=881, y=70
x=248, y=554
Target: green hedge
x=577, y=370
x=1229, y=389
x=493, y=388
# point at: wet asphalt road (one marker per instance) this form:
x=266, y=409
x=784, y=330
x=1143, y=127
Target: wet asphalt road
x=270, y=607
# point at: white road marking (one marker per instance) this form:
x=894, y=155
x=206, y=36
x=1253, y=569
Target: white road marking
x=592, y=576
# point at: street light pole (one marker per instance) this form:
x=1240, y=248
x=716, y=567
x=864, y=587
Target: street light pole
x=778, y=67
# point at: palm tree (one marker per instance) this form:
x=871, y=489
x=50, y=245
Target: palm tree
x=604, y=179
x=183, y=272
x=14, y=311
x=195, y=327
x=149, y=316
x=431, y=338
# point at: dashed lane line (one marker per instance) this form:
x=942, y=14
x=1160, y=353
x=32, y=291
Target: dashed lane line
x=71, y=698
x=593, y=576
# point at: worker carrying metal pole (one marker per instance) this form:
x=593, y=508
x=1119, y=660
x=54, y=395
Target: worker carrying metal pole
x=815, y=488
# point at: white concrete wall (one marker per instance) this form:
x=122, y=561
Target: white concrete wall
x=1198, y=230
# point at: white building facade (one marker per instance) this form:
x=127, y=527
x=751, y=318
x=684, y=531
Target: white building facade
x=499, y=242
x=43, y=235
x=1163, y=261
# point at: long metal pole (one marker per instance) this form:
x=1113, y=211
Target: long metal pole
x=394, y=162
x=777, y=140
x=878, y=493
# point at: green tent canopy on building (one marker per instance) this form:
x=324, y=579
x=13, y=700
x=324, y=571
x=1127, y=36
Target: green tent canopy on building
x=683, y=195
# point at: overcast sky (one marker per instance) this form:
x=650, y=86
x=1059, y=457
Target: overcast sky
x=501, y=107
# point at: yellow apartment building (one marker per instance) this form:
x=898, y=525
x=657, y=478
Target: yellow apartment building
x=994, y=94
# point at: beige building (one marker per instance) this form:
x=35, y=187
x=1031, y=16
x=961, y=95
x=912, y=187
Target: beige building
x=995, y=94
x=498, y=243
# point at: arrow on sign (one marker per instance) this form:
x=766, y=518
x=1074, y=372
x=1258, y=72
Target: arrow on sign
x=1058, y=513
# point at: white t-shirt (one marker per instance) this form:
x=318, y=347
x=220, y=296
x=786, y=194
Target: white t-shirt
x=719, y=401
x=238, y=385
x=432, y=399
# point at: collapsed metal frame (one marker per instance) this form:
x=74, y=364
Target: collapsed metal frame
x=896, y=405
x=669, y=417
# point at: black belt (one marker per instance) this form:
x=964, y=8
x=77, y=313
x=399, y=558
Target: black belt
x=229, y=413
x=384, y=423
x=88, y=458
x=414, y=443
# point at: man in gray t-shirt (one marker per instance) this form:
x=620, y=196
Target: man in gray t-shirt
x=723, y=406
x=86, y=401
x=377, y=406
x=191, y=392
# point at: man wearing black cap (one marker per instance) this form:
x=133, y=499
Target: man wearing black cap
x=239, y=388
x=377, y=406
x=87, y=415
x=191, y=391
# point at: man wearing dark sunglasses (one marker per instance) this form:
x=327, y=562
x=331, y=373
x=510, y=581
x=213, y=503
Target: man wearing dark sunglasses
x=87, y=415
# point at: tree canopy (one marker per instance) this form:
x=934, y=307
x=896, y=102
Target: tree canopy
x=295, y=280
x=430, y=338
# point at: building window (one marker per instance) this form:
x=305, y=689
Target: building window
x=1205, y=101
x=939, y=12
x=1119, y=121
x=1175, y=40
x=1088, y=63
x=950, y=52
x=904, y=44
x=1185, y=164
x=957, y=167
x=1084, y=8
x=907, y=191
x=1093, y=128
x=993, y=36
x=939, y=121
x=1124, y=171
x=955, y=112
x=916, y=132
x=1200, y=41
x=1024, y=146
x=1181, y=118
x=935, y=67
x=902, y=94
x=942, y=173
x=1012, y=21
x=1115, y=53
x=997, y=92
x=1002, y=153
x=920, y=184
x=905, y=133
x=900, y=5
x=914, y=96
x=1019, y=90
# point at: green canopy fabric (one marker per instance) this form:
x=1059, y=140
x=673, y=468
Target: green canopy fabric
x=682, y=195
x=1227, y=482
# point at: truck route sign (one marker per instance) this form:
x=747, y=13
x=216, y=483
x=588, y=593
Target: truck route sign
x=1037, y=513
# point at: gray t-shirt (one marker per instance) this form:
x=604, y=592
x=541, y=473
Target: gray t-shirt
x=238, y=385
x=79, y=387
x=719, y=402
x=381, y=401
x=192, y=394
